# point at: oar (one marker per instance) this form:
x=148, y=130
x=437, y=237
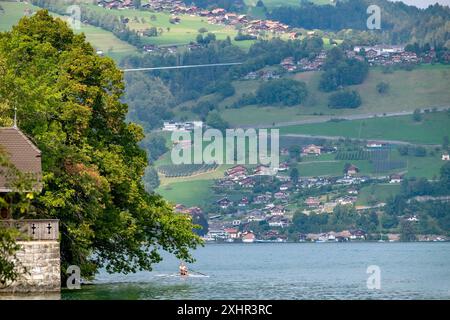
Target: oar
x=198, y=272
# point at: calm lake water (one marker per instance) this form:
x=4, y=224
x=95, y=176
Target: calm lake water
x=289, y=271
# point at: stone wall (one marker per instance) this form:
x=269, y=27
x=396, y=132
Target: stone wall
x=41, y=259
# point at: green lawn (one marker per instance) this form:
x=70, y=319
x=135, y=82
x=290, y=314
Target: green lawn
x=431, y=130
x=428, y=167
x=377, y=193
x=99, y=38
x=424, y=87
x=190, y=193
x=331, y=167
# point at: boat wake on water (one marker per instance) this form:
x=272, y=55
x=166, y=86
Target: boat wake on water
x=176, y=275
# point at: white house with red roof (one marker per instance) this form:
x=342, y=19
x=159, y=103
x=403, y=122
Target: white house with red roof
x=248, y=237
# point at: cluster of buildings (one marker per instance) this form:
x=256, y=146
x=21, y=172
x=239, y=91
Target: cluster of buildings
x=343, y=236
x=181, y=126
x=316, y=150
x=171, y=49
x=262, y=74
x=172, y=6
x=315, y=205
x=214, y=16
x=255, y=27
x=386, y=55
x=116, y=4
x=243, y=177
x=304, y=64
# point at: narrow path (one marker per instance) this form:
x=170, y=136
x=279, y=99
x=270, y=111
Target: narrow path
x=356, y=139
x=322, y=119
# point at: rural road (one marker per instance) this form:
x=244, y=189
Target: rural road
x=398, y=142
x=321, y=119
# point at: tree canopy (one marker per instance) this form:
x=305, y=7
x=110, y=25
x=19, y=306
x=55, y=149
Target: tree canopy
x=68, y=102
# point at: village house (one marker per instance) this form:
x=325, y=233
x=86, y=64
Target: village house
x=236, y=171
x=39, y=253
x=412, y=219
x=225, y=183
x=181, y=126
x=281, y=195
x=224, y=203
x=395, y=178
x=277, y=211
x=379, y=49
x=312, y=202
x=288, y=64
x=346, y=200
x=445, y=157
x=232, y=233
x=283, y=178
x=351, y=170
x=357, y=234
x=244, y=202
x=374, y=145
x=284, y=166
x=236, y=223
x=278, y=222
x=312, y=150
x=247, y=183
x=248, y=237
x=262, y=198
x=262, y=170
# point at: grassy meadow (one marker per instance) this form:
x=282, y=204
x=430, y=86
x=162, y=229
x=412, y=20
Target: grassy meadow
x=431, y=130
x=376, y=193
x=426, y=86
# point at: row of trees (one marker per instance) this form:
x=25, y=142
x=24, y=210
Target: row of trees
x=400, y=23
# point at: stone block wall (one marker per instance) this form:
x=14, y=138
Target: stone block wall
x=41, y=259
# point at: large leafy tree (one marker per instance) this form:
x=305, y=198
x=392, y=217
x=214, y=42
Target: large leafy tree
x=68, y=102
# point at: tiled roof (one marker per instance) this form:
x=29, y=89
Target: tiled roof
x=23, y=154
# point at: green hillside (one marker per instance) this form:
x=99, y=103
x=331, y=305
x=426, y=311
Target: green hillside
x=424, y=87
x=172, y=34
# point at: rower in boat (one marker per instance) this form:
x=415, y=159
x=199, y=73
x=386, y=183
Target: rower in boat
x=183, y=269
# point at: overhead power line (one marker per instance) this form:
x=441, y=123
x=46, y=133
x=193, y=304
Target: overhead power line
x=184, y=67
